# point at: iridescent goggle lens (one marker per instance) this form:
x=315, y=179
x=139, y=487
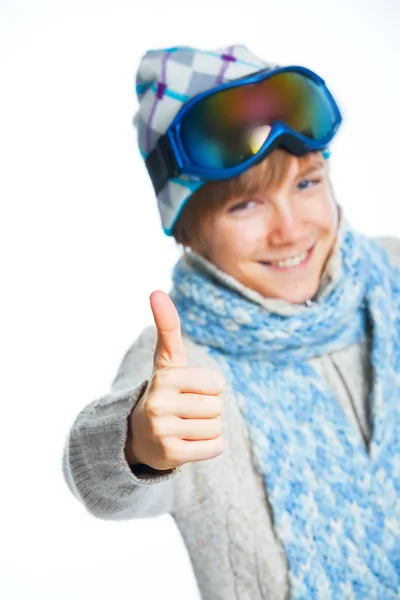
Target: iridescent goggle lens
x=227, y=128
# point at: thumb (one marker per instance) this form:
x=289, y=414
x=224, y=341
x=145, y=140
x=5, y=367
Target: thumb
x=170, y=350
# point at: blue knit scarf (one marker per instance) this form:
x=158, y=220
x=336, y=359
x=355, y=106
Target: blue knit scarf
x=336, y=504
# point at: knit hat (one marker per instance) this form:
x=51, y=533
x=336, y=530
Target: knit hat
x=165, y=80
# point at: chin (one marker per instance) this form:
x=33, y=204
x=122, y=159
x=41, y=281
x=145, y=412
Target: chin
x=295, y=294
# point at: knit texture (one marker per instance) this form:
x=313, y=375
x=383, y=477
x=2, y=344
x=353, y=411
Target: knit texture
x=165, y=80
x=335, y=502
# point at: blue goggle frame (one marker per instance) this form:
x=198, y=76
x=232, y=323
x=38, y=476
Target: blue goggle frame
x=169, y=159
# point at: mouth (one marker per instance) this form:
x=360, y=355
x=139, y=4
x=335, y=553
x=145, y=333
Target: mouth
x=291, y=263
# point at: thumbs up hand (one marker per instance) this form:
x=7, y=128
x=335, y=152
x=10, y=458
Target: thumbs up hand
x=178, y=418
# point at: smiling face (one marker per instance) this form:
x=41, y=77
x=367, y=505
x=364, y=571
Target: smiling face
x=273, y=228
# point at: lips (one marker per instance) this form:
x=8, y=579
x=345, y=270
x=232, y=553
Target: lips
x=294, y=262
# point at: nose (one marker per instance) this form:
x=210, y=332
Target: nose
x=287, y=226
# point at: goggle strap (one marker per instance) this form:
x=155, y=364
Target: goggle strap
x=161, y=163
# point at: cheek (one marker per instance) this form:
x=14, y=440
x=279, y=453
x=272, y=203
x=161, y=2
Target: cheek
x=325, y=214
x=244, y=237
x=332, y=214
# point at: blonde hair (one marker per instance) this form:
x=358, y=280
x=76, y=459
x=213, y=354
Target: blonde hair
x=214, y=195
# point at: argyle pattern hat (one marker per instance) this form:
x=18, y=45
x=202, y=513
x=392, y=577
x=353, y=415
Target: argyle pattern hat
x=165, y=80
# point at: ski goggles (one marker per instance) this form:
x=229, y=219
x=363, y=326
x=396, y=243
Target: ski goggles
x=223, y=131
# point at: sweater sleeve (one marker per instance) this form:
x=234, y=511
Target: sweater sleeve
x=94, y=464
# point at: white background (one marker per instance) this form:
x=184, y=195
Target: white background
x=82, y=248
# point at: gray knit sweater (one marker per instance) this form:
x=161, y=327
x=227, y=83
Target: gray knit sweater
x=220, y=506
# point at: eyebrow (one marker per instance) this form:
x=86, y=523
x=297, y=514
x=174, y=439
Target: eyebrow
x=310, y=170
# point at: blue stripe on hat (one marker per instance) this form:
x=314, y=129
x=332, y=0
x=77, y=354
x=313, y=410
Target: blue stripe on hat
x=142, y=87
x=190, y=185
x=207, y=52
x=166, y=50
x=237, y=60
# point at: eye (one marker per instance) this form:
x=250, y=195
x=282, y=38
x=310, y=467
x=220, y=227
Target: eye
x=306, y=184
x=240, y=206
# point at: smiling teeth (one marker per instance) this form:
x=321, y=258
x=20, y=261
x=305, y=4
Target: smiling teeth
x=290, y=262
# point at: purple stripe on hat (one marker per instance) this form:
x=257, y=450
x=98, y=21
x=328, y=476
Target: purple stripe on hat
x=164, y=67
x=161, y=87
x=227, y=58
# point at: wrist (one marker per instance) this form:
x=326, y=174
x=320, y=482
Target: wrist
x=130, y=455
